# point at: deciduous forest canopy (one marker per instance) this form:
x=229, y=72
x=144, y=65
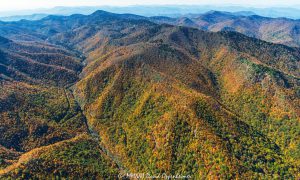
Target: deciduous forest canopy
x=210, y=95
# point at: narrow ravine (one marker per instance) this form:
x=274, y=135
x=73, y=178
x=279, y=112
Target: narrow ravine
x=94, y=134
x=68, y=89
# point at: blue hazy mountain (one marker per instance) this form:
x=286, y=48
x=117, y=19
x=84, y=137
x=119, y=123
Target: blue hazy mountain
x=26, y=17
x=155, y=10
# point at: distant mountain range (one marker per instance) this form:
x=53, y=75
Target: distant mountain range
x=25, y=17
x=161, y=10
x=276, y=30
x=95, y=96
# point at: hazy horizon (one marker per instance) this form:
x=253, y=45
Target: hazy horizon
x=20, y=5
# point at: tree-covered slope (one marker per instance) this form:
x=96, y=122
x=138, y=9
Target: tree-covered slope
x=73, y=158
x=155, y=99
x=38, y=62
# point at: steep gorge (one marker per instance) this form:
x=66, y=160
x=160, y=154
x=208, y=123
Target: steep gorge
x=167, y=99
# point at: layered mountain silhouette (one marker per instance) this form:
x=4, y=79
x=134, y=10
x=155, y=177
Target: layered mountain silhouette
x=103, y=94
x=276, y=30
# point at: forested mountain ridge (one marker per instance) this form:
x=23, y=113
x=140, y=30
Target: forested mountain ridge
x=153, y=98
x=276, y=30
x=30, y=61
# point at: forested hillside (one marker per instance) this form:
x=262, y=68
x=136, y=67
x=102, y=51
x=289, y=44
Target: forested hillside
x=98, y=95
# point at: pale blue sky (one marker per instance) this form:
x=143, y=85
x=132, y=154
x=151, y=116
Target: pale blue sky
x=8, y=5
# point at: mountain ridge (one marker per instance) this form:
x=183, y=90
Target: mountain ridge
x=160, y=98
x=250, y=25
x=276, y=30
x=167, y=10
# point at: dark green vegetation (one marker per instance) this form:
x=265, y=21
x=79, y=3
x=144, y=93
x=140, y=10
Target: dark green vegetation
x=155, y=99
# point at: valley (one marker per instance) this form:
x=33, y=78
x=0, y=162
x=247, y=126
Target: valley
x=97, y=95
